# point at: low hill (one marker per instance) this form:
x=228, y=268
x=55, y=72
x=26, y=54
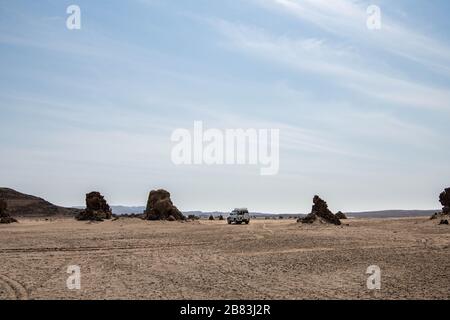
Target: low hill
x=363, y=214
x=127, y=210
x=392, y=213
x=24, y=205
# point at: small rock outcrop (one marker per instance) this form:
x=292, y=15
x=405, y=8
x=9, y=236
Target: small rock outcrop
x=211, y=217
x=221, y=217
x=444, y=199
x=436, y=215
x=443, y=221
x=97, y=209
x=4, y=215
x=320, y=213
x=340, y=215
x=160, y=207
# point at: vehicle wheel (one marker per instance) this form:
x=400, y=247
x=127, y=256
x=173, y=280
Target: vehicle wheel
x=247, y=221
x=229, y=221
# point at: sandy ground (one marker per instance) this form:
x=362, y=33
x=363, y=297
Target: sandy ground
x=135, y=259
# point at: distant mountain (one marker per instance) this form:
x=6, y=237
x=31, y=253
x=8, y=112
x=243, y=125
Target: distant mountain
x=366, y=214
x=391, y=213
x=127, y=210
x=362, y=214
x=20, y=204
x=205, y=214
x=122, y=209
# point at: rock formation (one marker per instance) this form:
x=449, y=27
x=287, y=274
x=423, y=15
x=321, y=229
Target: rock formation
x=211, y=217
x=340, y=215
x=321, y=213
x=97, y=208
x=4, y=215
x=436, y=215
x=160, y=207
x=221, y=217
x=444, y=199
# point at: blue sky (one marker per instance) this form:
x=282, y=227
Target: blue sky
x=363, y=114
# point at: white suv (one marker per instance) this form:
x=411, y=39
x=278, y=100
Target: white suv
x=239, y=216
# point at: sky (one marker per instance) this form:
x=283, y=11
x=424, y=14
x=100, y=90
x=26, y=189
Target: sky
x=363, y=114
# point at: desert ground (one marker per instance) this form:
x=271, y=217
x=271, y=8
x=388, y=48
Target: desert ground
x=268, y=259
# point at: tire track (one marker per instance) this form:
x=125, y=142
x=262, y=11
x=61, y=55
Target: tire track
x=84, y=249
x=11, y=294
x=14, y=288
x=54, y=273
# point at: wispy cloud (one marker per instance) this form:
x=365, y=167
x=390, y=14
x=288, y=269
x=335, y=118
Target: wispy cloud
x=347, y=19
x=338, y=63
x=358, y=111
